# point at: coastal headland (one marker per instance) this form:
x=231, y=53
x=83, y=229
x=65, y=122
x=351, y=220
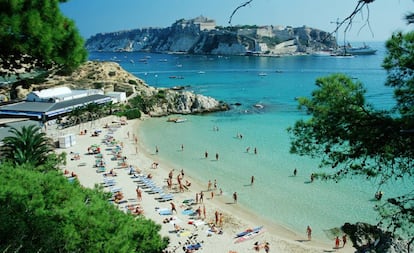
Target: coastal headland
x=202, y=36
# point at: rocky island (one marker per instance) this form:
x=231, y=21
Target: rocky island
x=201, y=35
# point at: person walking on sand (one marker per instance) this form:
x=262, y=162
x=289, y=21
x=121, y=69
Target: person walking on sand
x=343, y=240
x=216, y=216
x=309, y=232
x=209, y=185
x=201, y=197
x=173, y=209
x=221, y=220
x=235, y=197
x=337, y=241
x=139, y=193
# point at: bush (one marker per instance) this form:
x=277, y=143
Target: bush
x=132, y=82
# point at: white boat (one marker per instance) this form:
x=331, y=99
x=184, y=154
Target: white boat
x=262, y=74
x=180, y=120
x=259, y=106
x=363, y=50
x=322, y=53
x=177, y=120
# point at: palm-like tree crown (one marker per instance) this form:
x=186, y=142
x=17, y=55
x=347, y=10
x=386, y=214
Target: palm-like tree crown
x=26, y=145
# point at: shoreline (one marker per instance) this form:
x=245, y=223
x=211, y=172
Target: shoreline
x=236, y=217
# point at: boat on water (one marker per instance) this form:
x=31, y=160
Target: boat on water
x=177, y=120
x=322, y=53
x=262, y=74
x=363, y=50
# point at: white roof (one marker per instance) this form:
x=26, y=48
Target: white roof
x=53, y=92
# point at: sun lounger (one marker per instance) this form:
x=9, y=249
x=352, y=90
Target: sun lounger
x=164, y=211
x=165, y=197
x=195, y=246
x=188, y=212
x=100, y=169
x=108, y=182
x=116, y=189
x=153, y=190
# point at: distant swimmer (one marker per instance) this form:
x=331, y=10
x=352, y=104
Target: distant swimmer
x=206, y=154
x=255, y=151
x=247, y=149
x=295, y=172
x=217, y=156
x=252, y=180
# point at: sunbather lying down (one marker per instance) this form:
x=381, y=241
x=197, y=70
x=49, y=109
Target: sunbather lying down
x=177, y=227
x=111, y=173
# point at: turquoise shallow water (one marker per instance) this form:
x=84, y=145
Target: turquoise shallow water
x=276, y=194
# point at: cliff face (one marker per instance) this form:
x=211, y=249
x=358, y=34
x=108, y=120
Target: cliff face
x=200, y=36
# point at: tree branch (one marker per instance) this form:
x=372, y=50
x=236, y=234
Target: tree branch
x=238, y=7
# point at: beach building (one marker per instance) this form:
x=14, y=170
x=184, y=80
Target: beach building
x=51, y=103
x=117, y=97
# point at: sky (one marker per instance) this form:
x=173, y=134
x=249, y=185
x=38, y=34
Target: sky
x=101, y=16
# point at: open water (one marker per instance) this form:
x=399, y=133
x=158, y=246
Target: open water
x=273, y=83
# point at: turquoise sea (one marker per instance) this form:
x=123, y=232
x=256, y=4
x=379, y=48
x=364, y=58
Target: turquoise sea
x=273, y=83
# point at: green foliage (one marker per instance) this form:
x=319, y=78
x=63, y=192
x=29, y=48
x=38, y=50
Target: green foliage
x=161, y=94
x=353, y=138
x=131, y=113
x=132, y=82
x=98, y=85
x=36, y=34
x=27, y=145
x=399, y=64
x=144, y=104
x=44, y=212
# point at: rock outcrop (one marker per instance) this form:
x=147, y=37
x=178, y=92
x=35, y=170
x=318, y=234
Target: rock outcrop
x=201, y=36
x=110, y=76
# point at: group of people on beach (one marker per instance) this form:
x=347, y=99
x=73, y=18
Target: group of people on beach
x=257, y=246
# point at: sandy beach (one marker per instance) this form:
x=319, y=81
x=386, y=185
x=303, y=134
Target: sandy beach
x=207, y=229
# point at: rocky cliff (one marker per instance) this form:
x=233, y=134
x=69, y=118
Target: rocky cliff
x=201, y=36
